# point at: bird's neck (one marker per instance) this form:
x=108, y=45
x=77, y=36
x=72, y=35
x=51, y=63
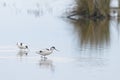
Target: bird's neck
x=51, y=50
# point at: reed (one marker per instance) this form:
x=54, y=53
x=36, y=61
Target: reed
x=92, y=8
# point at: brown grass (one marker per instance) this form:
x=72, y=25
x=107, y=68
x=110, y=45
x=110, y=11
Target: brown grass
x=88, y=7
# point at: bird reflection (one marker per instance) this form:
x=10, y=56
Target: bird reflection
x=22, y=53
x=46, y=64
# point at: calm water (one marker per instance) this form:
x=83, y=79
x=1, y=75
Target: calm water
x=87, y=50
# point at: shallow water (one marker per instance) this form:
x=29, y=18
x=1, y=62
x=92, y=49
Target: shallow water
x=87, y=50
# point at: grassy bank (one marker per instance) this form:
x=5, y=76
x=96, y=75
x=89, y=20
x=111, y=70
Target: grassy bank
x=92, y=9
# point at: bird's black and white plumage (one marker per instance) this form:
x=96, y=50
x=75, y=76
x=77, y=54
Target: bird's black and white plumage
x=45, y=52
x=22, y=46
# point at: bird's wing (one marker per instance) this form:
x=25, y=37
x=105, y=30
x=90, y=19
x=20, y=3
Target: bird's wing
x=44, y=50
x=47, y=49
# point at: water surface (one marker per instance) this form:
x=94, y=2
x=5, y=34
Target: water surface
x=88, y=50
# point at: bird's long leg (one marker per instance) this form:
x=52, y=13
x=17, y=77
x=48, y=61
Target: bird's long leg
x=41, y=56
x=45, y=57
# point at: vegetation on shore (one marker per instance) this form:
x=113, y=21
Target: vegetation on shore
x=91, y=9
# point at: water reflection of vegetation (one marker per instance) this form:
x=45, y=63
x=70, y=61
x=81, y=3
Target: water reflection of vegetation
x=93, y=33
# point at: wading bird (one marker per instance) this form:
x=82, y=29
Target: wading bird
x=22, y=46
x=45, y=52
